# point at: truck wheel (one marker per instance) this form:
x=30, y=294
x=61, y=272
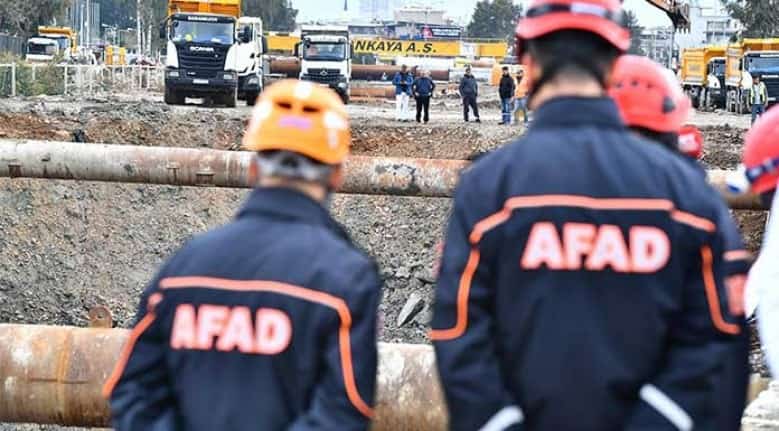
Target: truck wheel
x=231, y=99
x=251, y=98
x=345, y=98
x=173, y=98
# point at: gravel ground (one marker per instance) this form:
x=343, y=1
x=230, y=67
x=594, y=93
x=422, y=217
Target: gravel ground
x=73, y=245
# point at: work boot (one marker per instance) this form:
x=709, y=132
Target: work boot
x=478, y=120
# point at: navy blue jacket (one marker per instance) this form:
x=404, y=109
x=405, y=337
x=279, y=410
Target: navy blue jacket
x=268, y=323
x=581, y=285
x=469, y=88
x=423, y=87
x=403, y=83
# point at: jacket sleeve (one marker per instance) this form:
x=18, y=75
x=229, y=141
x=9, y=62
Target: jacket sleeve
x=396, y=79
x=344, y=400
x=462, y=86
x=463, y=331
x=415, y=86
x=139, y=390
x=701, y=344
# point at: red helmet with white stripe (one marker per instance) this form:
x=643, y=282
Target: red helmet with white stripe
x=604, y=18
x=761, y=153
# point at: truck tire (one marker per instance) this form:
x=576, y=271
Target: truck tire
x=344, y=98
x=251, y=98
x=231, y=99
x=172, y=97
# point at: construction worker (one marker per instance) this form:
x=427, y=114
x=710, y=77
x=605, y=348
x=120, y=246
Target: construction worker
x=520, y=99
x=423, y=90
x=761, y=175
x=403, y=82
x=581, y=285
x=469, y=91
x=758, y=97
x=269, y=322
x=506, y=91
x=654, y=105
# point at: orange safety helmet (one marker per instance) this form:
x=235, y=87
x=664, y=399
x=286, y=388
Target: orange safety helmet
x=648, y=96
x=761, y=153
x=303, y=118
x=604, y=18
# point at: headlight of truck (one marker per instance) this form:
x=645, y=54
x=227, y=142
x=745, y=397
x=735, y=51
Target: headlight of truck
x=342, y=85
x=254, y=80
x=229, y=76
x=173, y=73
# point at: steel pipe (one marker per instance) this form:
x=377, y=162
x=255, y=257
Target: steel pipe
x=54, y=375
x=360, y=72
x=216, y=168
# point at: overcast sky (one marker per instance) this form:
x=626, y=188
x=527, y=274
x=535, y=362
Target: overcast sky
x=460, y=10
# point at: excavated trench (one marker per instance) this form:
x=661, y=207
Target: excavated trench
x=71, y=245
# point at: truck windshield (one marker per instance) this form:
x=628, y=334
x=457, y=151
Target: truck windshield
x=718, y=67
x=762, y=63
x=41, y=49
x=202, y=32
x=325, y=51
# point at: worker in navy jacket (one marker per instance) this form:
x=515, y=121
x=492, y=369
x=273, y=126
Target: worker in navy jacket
x=268, y=323
x=423, y=89
x=403, y=81
x=581, y=285
x=654, y=105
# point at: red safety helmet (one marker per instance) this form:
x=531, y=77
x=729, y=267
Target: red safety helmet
x=761, y=153
x=605, y=18
x=691, y=142
x=648, y=95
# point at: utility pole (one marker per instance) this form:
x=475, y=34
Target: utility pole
x=138, y=27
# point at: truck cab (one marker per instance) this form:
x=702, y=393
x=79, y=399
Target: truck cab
x=252, y=46
x=50, y=43
x=326, y=57
x=202, y=51
x=750, y=58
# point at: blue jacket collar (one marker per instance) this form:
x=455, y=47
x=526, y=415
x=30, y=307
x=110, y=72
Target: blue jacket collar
x=578, y=111
x=287, y=204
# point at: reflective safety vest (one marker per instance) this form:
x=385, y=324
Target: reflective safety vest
x=758, y=94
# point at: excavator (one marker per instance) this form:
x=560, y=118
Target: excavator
x=678, y=12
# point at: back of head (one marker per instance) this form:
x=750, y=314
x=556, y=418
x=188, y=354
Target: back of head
x=761, y=153
x=299, y=131
x=648, y=95
x=573, y=55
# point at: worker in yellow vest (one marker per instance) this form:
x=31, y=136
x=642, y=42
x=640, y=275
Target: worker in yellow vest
x=758, y=97
x=520, y=97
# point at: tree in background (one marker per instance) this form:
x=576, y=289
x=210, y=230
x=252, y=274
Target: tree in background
x=22, y=17
x=635, y=34
x=494, y=19
x=118, y=13
x=277, y=15
x=759, y=17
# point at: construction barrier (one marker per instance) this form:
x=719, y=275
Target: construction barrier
x=55, y=375
x=216, y=168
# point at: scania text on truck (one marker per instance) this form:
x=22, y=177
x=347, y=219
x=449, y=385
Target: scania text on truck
x=326, y=57
x=202, y=50
x=703, y=76
x=745, y=60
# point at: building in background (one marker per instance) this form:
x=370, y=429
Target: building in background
x=657, y=44
x=378, y=10
x=710, y=24
x=84, y=17
x=421, y=14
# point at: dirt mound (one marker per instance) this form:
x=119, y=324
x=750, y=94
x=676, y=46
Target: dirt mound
x=723, y=146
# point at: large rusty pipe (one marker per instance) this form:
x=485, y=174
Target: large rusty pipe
x=216, y=168
x=54, y=375
x=360, y=72
x=379, y=92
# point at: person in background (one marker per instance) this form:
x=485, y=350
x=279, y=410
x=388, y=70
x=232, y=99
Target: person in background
x=761, y=176
x=423, y=90
x=403, y=82
x=581, y=285
x=520, y=98
x=267, y=323
x=654, y=106
x=758, y=97
x=506, y=90
x=469, y=91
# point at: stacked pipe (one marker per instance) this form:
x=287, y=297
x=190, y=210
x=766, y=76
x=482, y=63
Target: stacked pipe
x=360, y=72
x=55, y=374
x=215, y=168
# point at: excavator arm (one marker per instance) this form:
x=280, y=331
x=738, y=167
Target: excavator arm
x=677, y=11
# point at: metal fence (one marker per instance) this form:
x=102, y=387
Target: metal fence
x=11, y=44
x=21, y=79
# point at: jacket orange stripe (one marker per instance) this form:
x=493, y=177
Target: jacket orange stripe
x=136, y=333
x=733, y=255
x=331, y=301
x=500, y=217
x=713, y=297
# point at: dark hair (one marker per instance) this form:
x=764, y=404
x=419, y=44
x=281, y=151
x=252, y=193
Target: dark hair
x=505, y=68
x=667, y=139
x=574, y=54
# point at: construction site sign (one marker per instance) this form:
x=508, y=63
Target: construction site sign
x=409, y=48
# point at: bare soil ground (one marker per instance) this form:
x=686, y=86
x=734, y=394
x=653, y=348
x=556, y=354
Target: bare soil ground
x=70, y=245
